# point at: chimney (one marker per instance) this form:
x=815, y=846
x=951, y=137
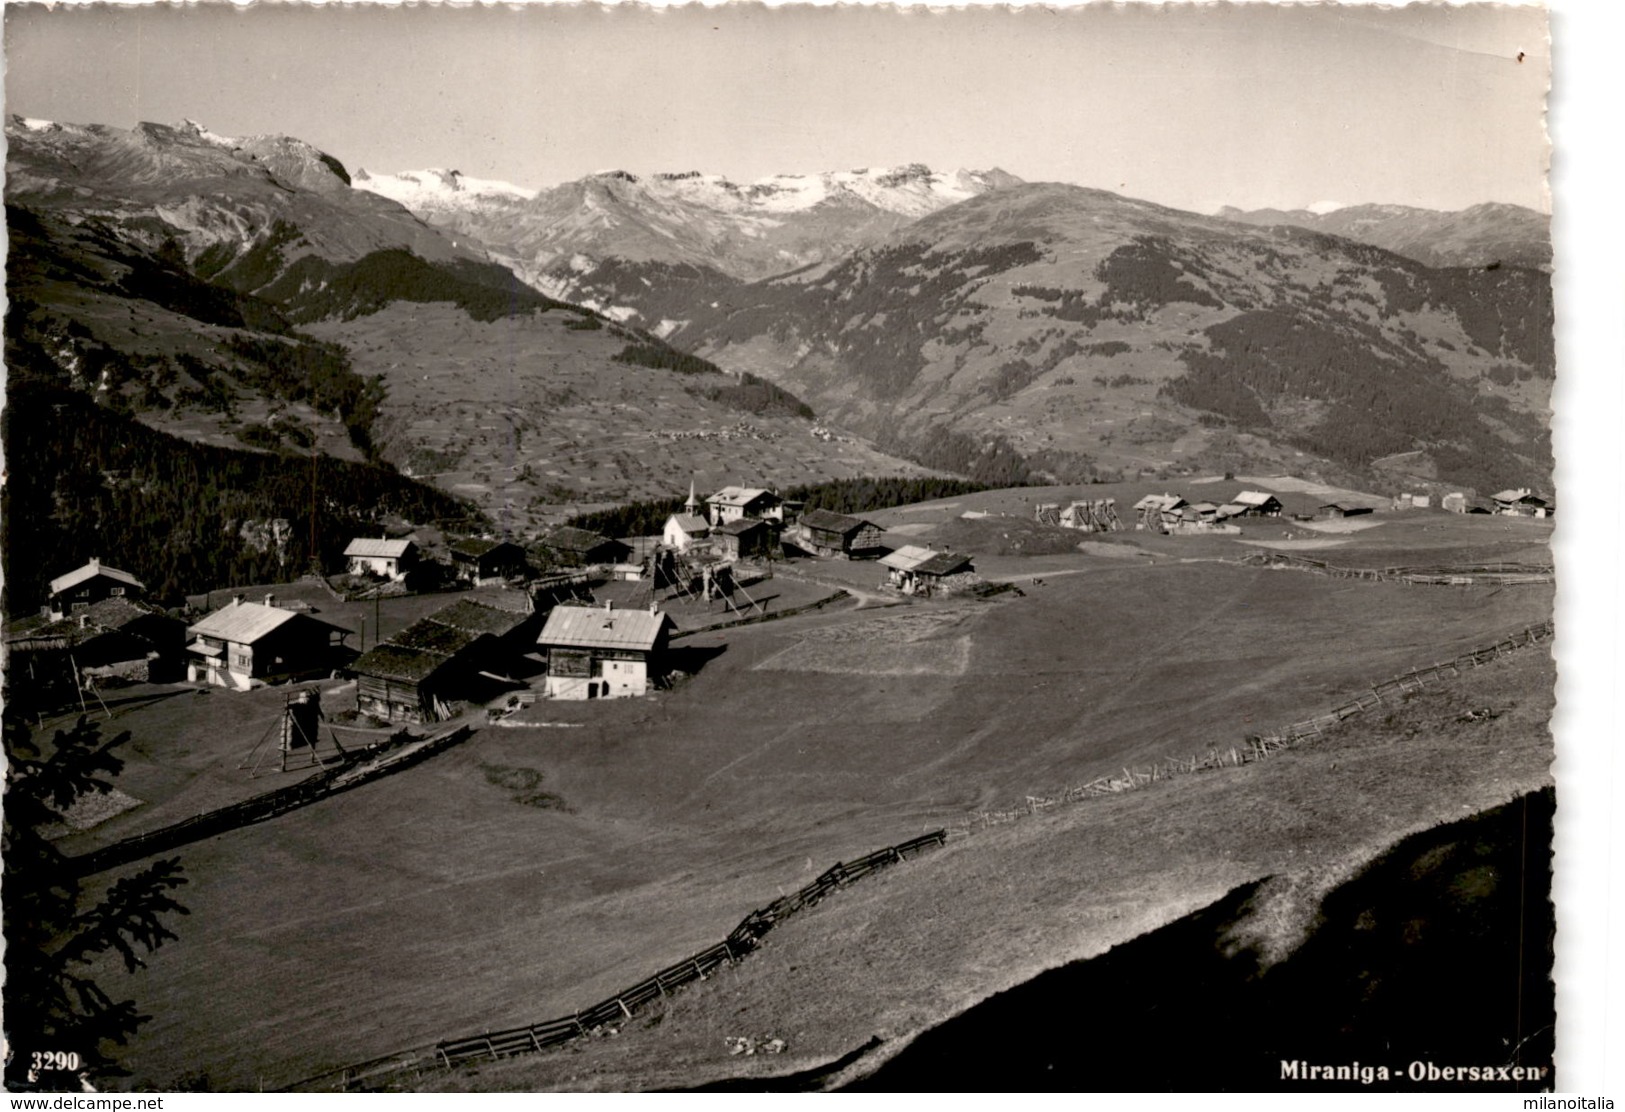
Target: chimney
x=654, y=607
x=95, y=562
x=609, y=604
x=270, y=600
x=236, y=600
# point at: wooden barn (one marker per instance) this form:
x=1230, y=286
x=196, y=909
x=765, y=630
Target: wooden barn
x=826, y=533
x=743, y=539
x=733, y=502
x=603, y=653
x=115, y=637
x=84, y=587
x=380, y=556
x=246, y=644
x=482, y=560
x=1159, y=511
x=1251, y=503
x=565, y=546
x=432, y=669
x=684, y=531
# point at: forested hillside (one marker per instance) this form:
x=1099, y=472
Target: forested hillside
x=86, y=481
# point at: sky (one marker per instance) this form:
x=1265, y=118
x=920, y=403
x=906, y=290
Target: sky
x=1194, y=107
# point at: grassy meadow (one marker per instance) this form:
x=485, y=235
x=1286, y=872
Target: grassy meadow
x=549, y=861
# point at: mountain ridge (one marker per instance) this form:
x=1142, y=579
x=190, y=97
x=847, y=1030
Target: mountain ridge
x=1097, y=332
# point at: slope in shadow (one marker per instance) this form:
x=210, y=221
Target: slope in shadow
x=1438, y=952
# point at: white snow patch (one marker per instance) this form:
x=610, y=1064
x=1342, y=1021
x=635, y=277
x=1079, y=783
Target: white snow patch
x=1321, y=208
x=37, y=125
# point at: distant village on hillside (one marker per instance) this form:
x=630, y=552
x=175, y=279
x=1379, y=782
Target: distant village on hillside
x=575, y=615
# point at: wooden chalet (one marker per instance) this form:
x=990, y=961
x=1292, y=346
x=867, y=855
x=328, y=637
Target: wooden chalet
x=432, y=669
x=683, y=531
x=568, y=547
x=481, y=560
x=84, y=587
x=1522, y=502
x=1343, y=509
x=1251, y=503
x=734, y=502
x=826, y=533
x=744, y=538
x=603, y=653
x=390, y=559
x=247, y=644
x=916, y=570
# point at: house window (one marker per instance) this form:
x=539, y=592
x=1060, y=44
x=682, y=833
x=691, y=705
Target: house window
x=116, y=592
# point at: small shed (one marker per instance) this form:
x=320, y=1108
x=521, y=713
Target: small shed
x=482, y=560
x=246, y=644
x=85, y=586
x=914, y=569
x=826, y=533
x=684, y=531
x=743, y=538
x=603, y=653
x=380, y=556
x=1343, y=509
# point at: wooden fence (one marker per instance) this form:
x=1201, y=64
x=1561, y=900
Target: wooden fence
x=358, y=768
x=623, y=1005
x=1258, y=746
x=1464, y=575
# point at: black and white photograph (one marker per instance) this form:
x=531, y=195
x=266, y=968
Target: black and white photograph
x=561, y=548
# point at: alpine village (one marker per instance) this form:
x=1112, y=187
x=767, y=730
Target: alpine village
x=460, y=646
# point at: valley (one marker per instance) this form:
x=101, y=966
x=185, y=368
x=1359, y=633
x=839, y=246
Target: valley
x=419, y=443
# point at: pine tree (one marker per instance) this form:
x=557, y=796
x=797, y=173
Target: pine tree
x=55, y=1013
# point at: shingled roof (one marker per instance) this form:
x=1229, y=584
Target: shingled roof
x=834, y=522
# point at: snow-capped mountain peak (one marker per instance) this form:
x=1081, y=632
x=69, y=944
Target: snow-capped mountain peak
x=439, y=189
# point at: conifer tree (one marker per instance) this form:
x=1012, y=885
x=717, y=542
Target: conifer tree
x=59, y=1022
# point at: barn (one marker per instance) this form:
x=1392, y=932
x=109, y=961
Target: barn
x=88, y=585
x=826, y=533
x=565, y=546
x=482, y=560
x=744, y=538
x=247, y=644
x=603, y=653
x=380, y=556
x=433, y=668
x=115, y=637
